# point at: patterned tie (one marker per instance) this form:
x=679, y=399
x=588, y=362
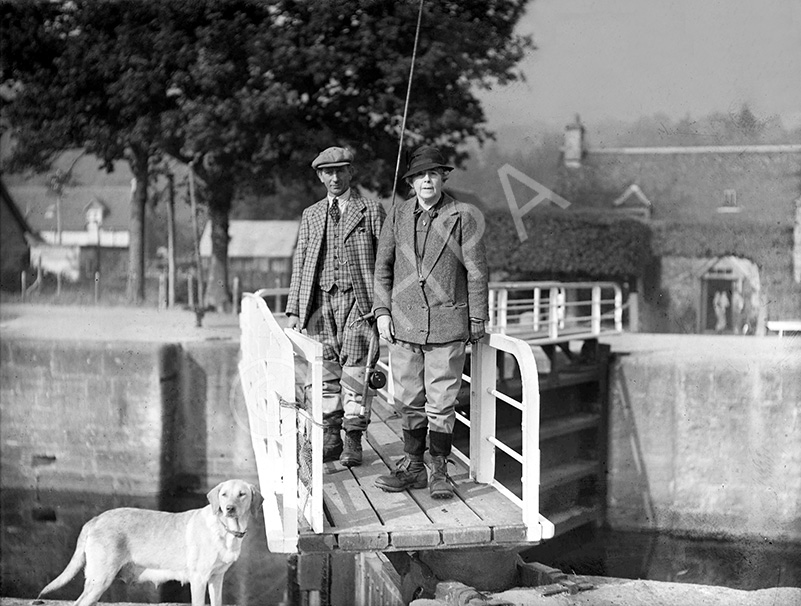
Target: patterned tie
x=334, y=211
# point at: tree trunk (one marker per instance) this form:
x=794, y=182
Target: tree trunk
x=218, y=294
x=136, y=244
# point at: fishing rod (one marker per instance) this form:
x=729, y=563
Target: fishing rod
x=406, y=103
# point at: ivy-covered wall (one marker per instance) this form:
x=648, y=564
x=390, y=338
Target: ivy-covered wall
x=567, y=246
x=570, y=246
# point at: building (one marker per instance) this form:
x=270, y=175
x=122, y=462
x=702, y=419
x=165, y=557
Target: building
x=726, y=222
x=259, y=252
x=16, y=238
x=80, y=213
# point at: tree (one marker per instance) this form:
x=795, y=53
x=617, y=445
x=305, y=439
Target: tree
x=248, y=91
x=329, y=73
x=90, y=75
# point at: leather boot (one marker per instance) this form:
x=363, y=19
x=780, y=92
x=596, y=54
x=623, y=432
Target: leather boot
x=409, y=473
x=440, y=482
x=352, y=451
x=332, y=438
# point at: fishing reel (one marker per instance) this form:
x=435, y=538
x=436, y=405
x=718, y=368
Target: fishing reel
x=376, y=379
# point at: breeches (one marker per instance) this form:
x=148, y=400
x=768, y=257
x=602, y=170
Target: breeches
x=335, y=323
x=426, y=380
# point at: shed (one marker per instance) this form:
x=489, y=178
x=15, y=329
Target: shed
x=259, y=252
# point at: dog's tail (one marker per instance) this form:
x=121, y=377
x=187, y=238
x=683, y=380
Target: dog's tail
x=77, y=562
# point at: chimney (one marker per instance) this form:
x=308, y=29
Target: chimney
x=573, y=149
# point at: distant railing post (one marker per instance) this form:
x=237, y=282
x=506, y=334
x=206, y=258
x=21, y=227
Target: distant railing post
x=162, y=291
x=503, y=305
x=97, y=287
x=537, y=296
x=553, y=312
x=595, y=313
x=235, y=306
x=58, y=284
x=634, y=311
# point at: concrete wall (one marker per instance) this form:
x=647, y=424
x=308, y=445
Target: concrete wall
x=121, y=418
x=705, y=431
x=705, y=436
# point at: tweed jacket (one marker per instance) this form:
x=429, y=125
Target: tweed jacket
x=432, y=300
x=362, y=225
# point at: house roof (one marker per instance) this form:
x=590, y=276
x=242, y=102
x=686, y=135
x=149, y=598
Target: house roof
x=269, y=239
x=90, y=184
x=688, y=184
x=14, y=210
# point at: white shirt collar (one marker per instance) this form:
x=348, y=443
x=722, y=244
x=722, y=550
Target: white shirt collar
x=343, y=199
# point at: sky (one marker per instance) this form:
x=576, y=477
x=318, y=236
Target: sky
x=622, y=59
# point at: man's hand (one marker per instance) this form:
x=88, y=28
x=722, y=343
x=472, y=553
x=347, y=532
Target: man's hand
x=477, y=330
x=386, y=329
x=294, y=323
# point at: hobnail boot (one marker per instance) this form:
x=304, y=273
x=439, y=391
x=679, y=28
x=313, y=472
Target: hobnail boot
x=409, y=473
x=440, y=482
x=352, y=450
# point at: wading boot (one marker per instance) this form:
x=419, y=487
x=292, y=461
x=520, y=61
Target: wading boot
x=440, y=482
x=409, y=473
x=352, y=450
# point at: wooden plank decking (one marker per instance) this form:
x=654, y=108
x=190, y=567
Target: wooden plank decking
x=360, y=516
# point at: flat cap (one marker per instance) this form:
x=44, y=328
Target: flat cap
x=333, y=156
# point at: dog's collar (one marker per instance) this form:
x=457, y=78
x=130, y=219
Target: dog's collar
x=237, y=533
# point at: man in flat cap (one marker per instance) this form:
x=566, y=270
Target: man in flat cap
x=331, y=289
x=430, y=299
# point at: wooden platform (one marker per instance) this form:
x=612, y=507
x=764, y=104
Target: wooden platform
x=360, y=516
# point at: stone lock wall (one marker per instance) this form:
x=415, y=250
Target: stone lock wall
x=705, y=438
x=116, y=418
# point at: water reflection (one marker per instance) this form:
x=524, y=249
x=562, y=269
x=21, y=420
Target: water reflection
x=39, y=532
x=740, y=564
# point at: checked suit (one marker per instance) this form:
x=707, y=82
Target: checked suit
x=329, y=315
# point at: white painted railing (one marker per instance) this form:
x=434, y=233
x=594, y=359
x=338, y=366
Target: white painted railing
x=554, y=311
x=484, y=443
x=284, y=434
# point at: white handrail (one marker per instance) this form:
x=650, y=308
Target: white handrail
x=553, y=311
x=267, y=374
x=484, y=442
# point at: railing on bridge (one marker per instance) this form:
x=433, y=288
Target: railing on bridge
x=287, y=436
x=544, y=312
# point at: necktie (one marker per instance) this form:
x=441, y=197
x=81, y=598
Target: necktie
x=334, y=211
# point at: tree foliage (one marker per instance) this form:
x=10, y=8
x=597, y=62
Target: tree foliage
x=249, y=91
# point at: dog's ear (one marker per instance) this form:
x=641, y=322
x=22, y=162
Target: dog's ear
x=255, y=501
x=214, y=498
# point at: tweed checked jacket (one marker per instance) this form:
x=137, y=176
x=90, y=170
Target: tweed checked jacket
x=432, y=300
x=361, y=226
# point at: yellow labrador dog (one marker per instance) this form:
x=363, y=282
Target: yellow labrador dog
x=195, y=547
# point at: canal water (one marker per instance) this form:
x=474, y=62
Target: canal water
x=737, y=564
x=39, y=533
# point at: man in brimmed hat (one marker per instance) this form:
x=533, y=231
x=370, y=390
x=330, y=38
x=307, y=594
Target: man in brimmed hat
x=430, y=299
x=331, y=289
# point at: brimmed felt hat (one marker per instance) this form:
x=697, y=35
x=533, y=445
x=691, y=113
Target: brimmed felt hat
x=425, y=157
x=333, y=156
